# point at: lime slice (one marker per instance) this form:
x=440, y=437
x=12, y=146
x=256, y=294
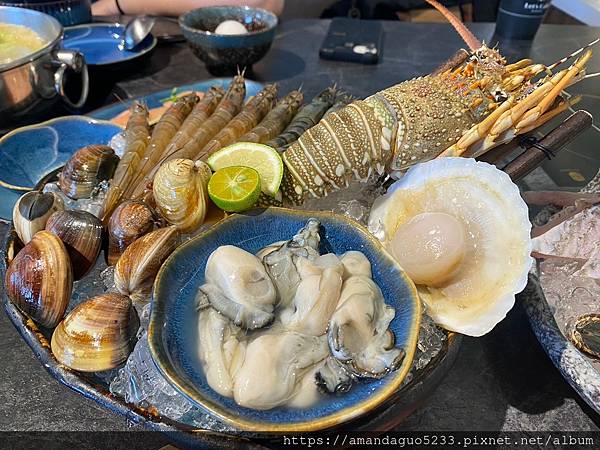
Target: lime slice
x=234, y=188
x=262, y=158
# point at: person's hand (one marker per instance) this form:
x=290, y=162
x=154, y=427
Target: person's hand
x=105, y=8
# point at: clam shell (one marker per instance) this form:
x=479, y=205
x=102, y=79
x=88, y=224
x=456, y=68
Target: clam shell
x=87, y=167
x=81, y=232
x=39, y=280
x=180, y=191
x=138, y=265
x=131, y=220
x=31, y=212
x=99, y=334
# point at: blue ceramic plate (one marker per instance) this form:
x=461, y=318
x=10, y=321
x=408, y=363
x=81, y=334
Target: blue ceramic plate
x=99, y=43
x=157, y=99
x=172, y=331
x=29, y=153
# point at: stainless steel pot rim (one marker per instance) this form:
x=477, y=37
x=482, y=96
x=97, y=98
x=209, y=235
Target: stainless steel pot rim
x=41, y=52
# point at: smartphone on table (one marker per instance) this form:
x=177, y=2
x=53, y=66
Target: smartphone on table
x=353, y=40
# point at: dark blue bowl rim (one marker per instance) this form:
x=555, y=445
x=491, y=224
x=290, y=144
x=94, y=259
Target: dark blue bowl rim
x=190, y=29
x=353, y=412
x=145, y=51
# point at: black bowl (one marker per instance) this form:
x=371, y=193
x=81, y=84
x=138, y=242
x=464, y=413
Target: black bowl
x=226, y=54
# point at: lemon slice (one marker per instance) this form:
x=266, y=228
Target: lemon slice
x=234, y=188
x=262, y=158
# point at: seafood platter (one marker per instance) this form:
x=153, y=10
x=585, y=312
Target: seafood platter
x=238, y=266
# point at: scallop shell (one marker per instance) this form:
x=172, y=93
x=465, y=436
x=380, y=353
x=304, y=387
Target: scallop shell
x=81, y=232
x=478, y=293
x=138, y=265
x=180, y=191
x=99, y=334
x=130, y=220
x=31, y=212
x=39, y=280
x=86, y=169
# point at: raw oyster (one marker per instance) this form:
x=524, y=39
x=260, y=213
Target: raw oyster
x=281, y=258
x=316, y=297
x=220, y=350
x=332, y=377
x=355, y=264
x=460, y=230
x=273, y=367
x=238, y=286
x=358, y=334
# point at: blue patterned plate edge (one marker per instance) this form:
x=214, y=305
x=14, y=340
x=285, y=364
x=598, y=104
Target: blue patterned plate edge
x=574, y=367
x=136, y=54
x=160, y=355
x=17, y=189
x=155, y=99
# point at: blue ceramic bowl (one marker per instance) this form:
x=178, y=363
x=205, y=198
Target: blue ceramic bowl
x=225, y=54
x=173, y=323
x=29, y=153
x=99, y=43
x=67, y=12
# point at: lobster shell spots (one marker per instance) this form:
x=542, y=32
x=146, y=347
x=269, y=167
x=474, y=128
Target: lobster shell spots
x=345, y=144
x=131, y=220
x=39, y=280
x=99, y=334
x=87, y=167
x=81, y=232
x=138, y=265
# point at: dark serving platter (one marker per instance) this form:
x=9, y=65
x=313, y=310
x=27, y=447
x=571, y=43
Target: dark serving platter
x=387, y=417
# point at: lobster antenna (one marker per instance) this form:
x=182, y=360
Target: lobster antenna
x=460, y=27
x=575, y=53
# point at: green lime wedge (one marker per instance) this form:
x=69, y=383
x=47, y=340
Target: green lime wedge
x=234, y=188
x=262, y=158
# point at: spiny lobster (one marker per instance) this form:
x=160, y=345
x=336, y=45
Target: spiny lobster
x=476, y=103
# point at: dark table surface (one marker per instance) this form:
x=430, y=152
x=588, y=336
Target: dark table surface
x=502, y=381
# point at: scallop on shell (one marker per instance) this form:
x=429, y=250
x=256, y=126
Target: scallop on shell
x=98, y=334
x=461, y=231
x=39, y=279
x=140, y=262
x=180, y=191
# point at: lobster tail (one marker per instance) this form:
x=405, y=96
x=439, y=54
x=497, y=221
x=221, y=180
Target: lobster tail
x=352, y=143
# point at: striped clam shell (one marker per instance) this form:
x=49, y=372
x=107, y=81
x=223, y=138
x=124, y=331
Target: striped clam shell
x=39, y=280
x=99, y=334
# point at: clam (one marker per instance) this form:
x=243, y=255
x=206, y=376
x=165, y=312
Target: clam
x=130, y=220
x=86, y=169
x=39, y=279
x=180, y=191
x=138, y=265
x=460, y=230
x=585, y=334
x=31, y=212
x=81, y=232
x=98, y=334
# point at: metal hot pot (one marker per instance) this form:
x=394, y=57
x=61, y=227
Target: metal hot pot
x=30, y=86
